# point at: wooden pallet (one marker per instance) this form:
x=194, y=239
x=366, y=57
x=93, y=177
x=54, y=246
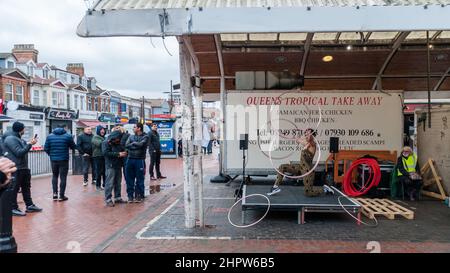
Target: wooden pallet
x=385, y=207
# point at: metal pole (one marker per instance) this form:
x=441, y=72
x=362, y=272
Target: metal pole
x=171, y=97
x=7, y=241
x=186, y=102
x=199, y=158
x=428, y=79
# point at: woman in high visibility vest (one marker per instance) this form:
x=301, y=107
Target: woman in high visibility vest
x=408, y=172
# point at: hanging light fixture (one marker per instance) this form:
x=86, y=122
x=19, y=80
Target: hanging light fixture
x=327, y=58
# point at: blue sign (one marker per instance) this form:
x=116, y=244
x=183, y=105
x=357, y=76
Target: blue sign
x=165, y=125
x=167, y=146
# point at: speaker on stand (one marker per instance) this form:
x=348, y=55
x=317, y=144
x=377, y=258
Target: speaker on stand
x=243, y=146
x=334, y=149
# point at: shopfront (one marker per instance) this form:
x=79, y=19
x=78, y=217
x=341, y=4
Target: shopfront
x=34, y=120
x=87, y=119
x=58, y=117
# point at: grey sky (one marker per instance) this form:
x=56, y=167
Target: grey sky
x=131, y=66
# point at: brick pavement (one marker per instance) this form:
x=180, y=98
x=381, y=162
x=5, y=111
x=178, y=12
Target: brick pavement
x=85, y=220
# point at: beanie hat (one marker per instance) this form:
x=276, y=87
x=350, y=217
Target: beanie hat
x=18, y=127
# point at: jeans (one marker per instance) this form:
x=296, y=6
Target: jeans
x=210, y=146
x=99, y=167
x=88, y=162
x=135, y=171
x=60, y=169
x=22, y=179
x=113, y=182
x=155, y=161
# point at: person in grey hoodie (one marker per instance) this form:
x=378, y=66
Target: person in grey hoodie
x=114, y=154
x=16, y=149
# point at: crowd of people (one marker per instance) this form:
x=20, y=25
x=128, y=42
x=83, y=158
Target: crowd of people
x=109, y=156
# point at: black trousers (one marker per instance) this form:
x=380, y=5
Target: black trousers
x=88, y=163
x=155, y=161
x=99, y=168
x=60, y=170
x=411, y=186
x=22, y=180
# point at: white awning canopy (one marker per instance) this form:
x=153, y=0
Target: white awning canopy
x=179, y=17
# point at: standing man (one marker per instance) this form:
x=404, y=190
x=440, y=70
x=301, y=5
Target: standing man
x=98, y=158
x=136, y=146
x=57, y=146
x=84, y=145
x=16, y=150
x=114, y=154
x=154, y=149
x=211, y=130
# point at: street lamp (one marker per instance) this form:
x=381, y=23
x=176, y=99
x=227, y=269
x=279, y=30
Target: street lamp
x=172, y=87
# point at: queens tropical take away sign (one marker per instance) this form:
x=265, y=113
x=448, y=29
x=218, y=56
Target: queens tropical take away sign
x=361, y=120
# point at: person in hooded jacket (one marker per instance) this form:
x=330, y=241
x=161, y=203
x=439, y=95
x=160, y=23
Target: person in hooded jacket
x=57, y=146
x=84, y=146
x=114, y=154
x=98, y=158
x=16, y=149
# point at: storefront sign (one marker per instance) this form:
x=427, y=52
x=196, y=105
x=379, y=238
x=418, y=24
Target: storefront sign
x=107, y=118
x=64, y=115
x=363, y=120
x=37, y=116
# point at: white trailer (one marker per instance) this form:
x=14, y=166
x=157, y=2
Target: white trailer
x=368, y=120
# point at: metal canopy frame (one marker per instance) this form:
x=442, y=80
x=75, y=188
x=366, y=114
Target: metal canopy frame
x=145, y=18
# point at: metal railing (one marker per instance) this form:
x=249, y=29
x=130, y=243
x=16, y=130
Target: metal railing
x=39, y=163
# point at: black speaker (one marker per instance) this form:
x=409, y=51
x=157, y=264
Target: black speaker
x=334, y=145
x=243, y=142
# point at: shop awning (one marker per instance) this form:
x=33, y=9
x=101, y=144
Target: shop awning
x=4, y=118
x=89, y=123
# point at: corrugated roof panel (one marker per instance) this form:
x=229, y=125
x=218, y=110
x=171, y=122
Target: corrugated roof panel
x=383, y=35
x=416, y=35
x=150, y=4
x=293, y=36
x=328, y=36
x=263, y=36
x=444, y=35
x=233, y=37
x=350, y=36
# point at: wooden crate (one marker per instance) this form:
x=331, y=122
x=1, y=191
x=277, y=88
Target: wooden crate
x=385, y=207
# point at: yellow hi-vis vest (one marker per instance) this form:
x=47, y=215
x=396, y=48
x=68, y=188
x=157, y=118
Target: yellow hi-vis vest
x=409, y=164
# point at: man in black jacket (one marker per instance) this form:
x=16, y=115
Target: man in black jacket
x=84, y=146
x=16, y=149
x=114, y=154
x=154, y=149
x=135, y=167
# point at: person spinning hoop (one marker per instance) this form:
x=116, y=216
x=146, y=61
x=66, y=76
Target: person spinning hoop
x=304, y=167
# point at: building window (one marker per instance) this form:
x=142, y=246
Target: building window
x=30, y=70
x=114, y=108
x=19, y=93
x=44, y=98
x=10, y=64
x=57, y=99
x=8, y=92
x=68, y=101
x=75, y=102
x=96, y=104
x=45, y=73
x=89, y=103
x=82, y=102
x=36, y=97
x=63, y=76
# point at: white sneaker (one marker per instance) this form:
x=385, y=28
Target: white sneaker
x=274, y=190
x=85, y=183
x=327, y=189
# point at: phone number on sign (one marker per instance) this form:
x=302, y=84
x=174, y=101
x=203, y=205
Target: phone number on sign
x=322, y=132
